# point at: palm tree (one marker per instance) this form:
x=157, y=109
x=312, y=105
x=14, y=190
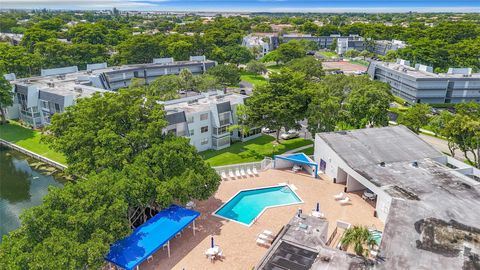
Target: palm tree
x=359, y=237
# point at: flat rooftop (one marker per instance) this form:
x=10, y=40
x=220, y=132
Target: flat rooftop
x=371, y=146
x=201, y=102
x=433, y=221
x=411, y=71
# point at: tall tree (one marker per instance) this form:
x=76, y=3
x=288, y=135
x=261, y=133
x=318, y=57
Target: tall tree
x=324, y=111
x=291, y=50
x=416, y=117
x=6, y=96
x=368, y=103
x=108, y=130
x=281, y=103
x=309, y=65
x=227, y=75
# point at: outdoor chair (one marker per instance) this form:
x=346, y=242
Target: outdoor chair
x=345, y=201
x=224, y=175
x=242, y=172
x=339, y=196
x=237, y=173
x=254, y=170
x=230, y=173
x=249, y=172
x=262, y=242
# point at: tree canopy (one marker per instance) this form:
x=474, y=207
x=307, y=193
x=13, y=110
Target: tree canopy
x=127, y=166
x=6, y=96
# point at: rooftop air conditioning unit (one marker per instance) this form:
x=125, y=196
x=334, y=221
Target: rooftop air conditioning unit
x=78, y=89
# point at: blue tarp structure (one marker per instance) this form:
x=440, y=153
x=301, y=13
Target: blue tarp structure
x=299, y=158
x=145, y=240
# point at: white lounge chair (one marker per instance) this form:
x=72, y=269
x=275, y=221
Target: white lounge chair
x=262, y=242
x=223, y=175
x=345, y=201
x=230, y=173
x=242, y=172
x=339, y=196
x=255, y=172
x=249, y=172
x=267, y=232
x=237, y=173
x=267, y=238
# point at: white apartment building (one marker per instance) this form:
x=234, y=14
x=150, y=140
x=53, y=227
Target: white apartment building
x=206, y=118
x=264, y=42
x=37, y=98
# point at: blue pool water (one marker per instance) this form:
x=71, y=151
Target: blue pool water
x=248, y=204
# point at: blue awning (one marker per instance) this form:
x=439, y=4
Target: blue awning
x=150, y=236
x=299, y=158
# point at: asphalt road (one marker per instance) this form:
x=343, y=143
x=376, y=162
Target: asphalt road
x=442, y=146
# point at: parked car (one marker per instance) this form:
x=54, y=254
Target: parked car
x=243, y=92
x=267, y=130
x=290, y=135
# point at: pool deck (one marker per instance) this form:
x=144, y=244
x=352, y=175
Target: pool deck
x=238, y=241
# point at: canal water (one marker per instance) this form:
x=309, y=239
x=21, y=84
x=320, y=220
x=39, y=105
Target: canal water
x=21, y=186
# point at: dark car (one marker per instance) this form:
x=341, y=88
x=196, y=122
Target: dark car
x=243, y=92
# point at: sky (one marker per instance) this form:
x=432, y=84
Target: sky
x=255, y=5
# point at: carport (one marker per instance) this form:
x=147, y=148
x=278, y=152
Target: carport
x=289, y=160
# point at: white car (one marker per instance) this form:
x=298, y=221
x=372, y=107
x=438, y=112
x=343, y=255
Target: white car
x=290, y=135
x=267, y=130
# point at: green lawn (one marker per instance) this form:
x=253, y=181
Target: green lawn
x=308, y=151
x=329, y=54
x=30, y=140
x=253, y=150
x=275, y=68
x=255, y=79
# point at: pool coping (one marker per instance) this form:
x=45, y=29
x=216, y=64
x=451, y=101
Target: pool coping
x=263, y=210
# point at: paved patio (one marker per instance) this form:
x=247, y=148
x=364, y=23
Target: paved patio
x=238, y=241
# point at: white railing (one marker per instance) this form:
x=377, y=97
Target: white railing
x=33, y=155
x=234, y=167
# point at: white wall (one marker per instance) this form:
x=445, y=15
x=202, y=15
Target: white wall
x=353, y=184
x=354, y=179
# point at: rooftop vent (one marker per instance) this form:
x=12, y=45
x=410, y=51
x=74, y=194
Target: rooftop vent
x=415, y=164
x=382, y=164
x=78, y=89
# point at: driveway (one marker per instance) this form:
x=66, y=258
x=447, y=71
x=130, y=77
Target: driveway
x=442, y=146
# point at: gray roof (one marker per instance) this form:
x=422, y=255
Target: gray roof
x=434, y=218
x=363, y=147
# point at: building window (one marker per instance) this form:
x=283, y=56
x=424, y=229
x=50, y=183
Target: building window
x=203, y=116
x=192, y=132
x=57, y=107
x=204, y=141
x=45, y=105
x=190, y=119
x=204, y=129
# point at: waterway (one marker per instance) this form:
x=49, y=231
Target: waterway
x=21, y=186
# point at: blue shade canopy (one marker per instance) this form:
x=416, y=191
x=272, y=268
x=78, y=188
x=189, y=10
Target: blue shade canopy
x=150, y=236
x=300, y=158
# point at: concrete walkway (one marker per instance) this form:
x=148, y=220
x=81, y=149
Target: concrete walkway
x=298, y=149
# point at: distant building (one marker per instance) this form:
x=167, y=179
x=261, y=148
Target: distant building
x=420, y=84
x=327, y=41
x=263, y=42
x=38, y=98
x=350, y=43
x=206, y=119
x=425, y=198
x=381, y=47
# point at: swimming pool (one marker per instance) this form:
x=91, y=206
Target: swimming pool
x=247, y=205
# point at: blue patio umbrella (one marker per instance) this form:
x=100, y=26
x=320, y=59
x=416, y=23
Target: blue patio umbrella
x=213, y=243
x=318, y=207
